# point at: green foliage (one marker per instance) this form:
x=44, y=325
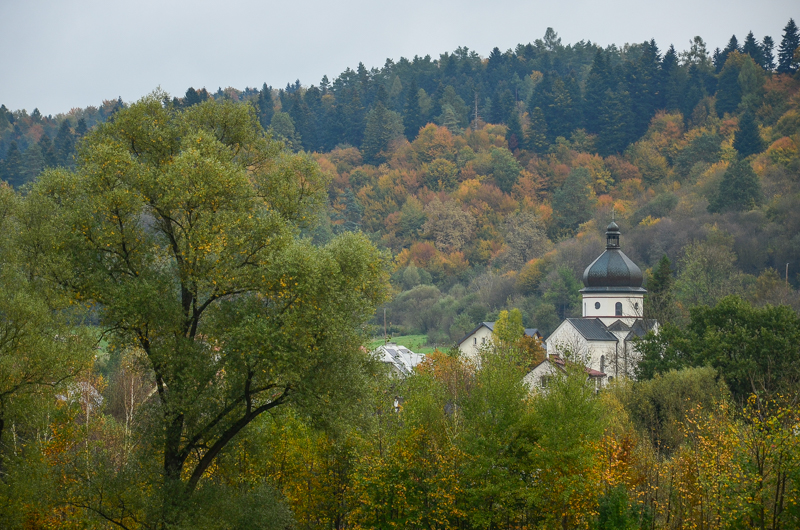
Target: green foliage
x=747, y=140
x=382, y=127
x=572, y=203
x=179, y=225
x=505, y=169
x=740, y=189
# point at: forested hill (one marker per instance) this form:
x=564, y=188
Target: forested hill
x=491, y=179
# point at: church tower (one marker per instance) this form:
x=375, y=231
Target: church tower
x=613, y=285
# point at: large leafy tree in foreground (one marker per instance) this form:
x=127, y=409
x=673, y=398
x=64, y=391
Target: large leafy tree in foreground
x=181, y=228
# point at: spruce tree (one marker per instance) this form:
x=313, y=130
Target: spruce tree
x=752, y=48
x=767, y=52
x=598, y=83
x=81, y=128
x=789, y=43
x=514, y=134
x=722, y=57
x=412, y=115
x=747, y=140
x=48, y=152
x=191, y=97
x=729, y=93
x=536, y=136
x=740, y=189
x=64, y=145
x=13, y=168
x=265, y=106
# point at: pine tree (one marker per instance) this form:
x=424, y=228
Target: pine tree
x=33, y=162
x=747, y=140
x=13, y=168
x=81, y=128
x=514, y=134
x=191, y=97
x=673, y=79
x=48, y=152
x=383, y=126
x=722, y=57
x=789, y=43
x=752, y=48
x=729, y=93
x=266, y=107
x=740, y=189
x=64, y=145
x=767, y=52
x=598, y=83
x=412, y=115
x=536, y=137
x=660, y=293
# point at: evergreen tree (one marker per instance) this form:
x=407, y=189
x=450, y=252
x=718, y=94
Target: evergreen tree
x=64, y=145
x=767, y=52
x=616, y=122
x=740, y=189
x=789, y=43
x=13, y=166
x=572, y=204
x=752, y=48
x=536, y=135
x=265, y=106
x=49, y=158
x=80, y=128
x=412, y=115
x=33, y=162
x=722, y=57
x=672, y=80
x=729, y=93
x=660, y=293
x=598, y=83
x=502, y=106
x=383, y=126
x=514, y=135
x=747, y=140
x=191, y=97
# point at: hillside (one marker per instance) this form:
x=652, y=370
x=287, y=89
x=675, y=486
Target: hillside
x=490, y=179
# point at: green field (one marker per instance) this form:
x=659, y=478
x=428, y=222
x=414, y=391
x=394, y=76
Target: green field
x=415, y=343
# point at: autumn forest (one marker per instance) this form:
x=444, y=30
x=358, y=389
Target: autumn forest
x=191, y=284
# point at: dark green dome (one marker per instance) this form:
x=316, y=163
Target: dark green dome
x=612, y=269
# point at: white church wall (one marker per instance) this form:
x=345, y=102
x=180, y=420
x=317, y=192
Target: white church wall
x=603, y=306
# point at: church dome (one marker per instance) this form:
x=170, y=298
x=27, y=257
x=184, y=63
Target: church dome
x=612, y=269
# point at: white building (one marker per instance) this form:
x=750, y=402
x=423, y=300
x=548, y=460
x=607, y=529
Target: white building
x=470, y=346
x=613, y=303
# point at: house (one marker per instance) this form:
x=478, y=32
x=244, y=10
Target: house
x=400, y=359
x=539, y=377
x=470, y=346
x=613, y=306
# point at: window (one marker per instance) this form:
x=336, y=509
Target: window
x=636, y=306
x=603, y=363
x=475, y=341
x=483, y=340
x=544, y=380
x=618, y=309
x=597, y=305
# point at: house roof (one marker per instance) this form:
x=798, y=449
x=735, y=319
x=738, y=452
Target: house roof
x=531, y=332
x=592, y=329
x=400, y=357
x=641, y=327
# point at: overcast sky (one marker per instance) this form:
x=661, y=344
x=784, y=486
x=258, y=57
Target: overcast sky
x=60, y=54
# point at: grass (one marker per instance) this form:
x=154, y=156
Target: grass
x=415, y=343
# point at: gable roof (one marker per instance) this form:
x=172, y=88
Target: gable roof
x=531, y=332
x=592, y=329
x=400, y=357
x=561, y=364
x=641, y=327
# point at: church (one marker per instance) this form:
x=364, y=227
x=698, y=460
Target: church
x=613, y=308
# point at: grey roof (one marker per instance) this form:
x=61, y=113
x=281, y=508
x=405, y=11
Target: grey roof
x=641, y=327
x=592, y=329
x=399, y=357
x=528, y=331
x=619, y=326
x=612, y=269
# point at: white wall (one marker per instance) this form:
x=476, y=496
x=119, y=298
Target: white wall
x=632, y=306
x=470, y=348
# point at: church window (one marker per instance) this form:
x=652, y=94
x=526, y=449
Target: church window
x=618, y=309
x=597, y=305
x=603, y=363
x=636, y=306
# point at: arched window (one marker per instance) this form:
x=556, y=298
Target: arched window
x=603, y=363
x=618, y=309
